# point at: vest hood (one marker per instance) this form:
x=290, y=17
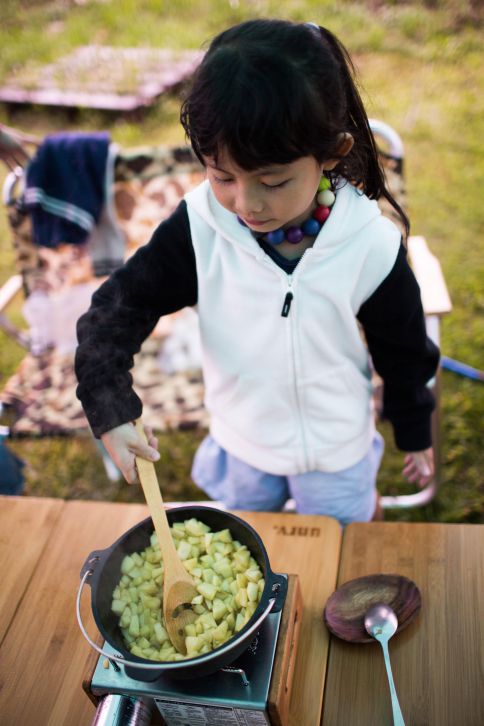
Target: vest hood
x=351, y=212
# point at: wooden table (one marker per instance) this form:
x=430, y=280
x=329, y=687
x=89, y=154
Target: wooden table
x=438, y=661
x=43, y=656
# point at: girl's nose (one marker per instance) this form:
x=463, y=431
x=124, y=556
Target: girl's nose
x=248, y=202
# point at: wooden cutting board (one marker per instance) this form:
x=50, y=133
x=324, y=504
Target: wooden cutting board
x=307, y=546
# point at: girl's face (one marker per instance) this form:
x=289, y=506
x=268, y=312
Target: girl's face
x=279, y=195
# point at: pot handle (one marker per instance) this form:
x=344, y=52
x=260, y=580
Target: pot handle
x=149, y=666
x=278, y=590
x=92, y=561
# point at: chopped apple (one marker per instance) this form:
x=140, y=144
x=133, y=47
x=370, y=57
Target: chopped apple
x=229, y=583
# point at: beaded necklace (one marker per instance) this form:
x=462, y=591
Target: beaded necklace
x=311, y=226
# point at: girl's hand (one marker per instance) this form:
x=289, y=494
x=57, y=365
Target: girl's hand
x=123, y=444
x=419, y=467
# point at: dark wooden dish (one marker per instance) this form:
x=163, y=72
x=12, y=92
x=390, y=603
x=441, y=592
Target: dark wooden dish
x=345, y=610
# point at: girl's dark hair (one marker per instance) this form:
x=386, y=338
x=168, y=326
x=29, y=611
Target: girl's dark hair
x=272, y=91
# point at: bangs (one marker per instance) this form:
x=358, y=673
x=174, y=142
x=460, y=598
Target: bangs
x=254, y=142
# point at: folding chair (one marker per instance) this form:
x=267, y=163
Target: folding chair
x=57, y=285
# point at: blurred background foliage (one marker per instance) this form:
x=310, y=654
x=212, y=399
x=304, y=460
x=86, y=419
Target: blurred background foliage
x=420, y=69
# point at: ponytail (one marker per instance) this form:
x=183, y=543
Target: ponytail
x=362, y=166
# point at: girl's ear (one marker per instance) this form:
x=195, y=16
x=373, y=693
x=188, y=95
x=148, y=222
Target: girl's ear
x=345, y=144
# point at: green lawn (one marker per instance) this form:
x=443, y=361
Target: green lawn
x=420, y=65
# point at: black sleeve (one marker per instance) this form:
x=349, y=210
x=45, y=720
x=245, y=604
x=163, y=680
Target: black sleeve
x=403, y=355
x=159, y=279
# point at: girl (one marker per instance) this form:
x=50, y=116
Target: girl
x=285, y=253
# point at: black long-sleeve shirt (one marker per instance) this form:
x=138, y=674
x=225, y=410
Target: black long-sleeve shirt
x=162, y=278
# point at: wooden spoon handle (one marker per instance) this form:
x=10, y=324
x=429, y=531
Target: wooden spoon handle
x=151, y=490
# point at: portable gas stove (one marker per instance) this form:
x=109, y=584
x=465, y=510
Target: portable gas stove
x=254, y=690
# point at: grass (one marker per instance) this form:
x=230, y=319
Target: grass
x=420, y=68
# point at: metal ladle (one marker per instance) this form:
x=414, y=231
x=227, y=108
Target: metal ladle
x=381, y=623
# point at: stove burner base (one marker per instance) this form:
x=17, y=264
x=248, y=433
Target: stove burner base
x=224, y=698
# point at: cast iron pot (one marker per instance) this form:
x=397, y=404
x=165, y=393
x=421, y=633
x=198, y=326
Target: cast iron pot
x=102, y=571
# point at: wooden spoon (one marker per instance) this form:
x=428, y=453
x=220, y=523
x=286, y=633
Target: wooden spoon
x=178, y=587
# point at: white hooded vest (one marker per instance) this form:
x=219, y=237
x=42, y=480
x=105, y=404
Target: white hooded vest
x=289, y=394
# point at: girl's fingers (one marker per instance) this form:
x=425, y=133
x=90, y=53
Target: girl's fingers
x=413, y=477
x=409, y=470
x=423, y=467
x=419, y=467
x=126, y=465
x=131, y=474
x=124, y=444
x=137, y=446
x=151, y=438
x=144, y=451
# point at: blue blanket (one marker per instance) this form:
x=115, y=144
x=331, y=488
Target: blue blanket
x=65, y=187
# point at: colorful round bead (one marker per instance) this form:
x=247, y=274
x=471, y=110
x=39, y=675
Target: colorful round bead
x=275, y=237
x=311, y=227
x=326, y=198
x=321, y=214
x=294, y=235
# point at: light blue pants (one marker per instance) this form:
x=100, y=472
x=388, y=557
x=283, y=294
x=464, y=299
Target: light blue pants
x=349, y=495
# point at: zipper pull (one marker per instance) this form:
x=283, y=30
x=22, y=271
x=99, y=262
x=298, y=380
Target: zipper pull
x=287, y=304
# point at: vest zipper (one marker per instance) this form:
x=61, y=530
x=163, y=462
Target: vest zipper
x=287, y=304
x=288, y=298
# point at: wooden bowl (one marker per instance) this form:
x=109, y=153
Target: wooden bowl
x=345, y=610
